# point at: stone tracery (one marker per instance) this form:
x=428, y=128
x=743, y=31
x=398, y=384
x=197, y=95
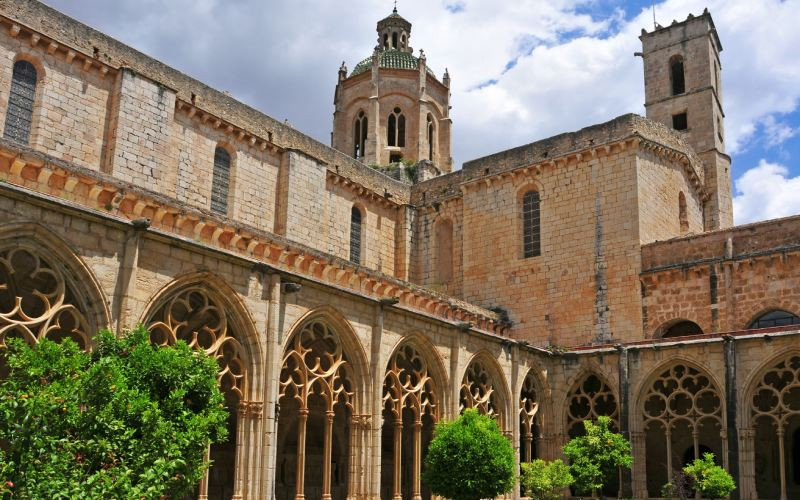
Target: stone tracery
x=589, y=399
x=682, y=413
x=194, y=316
x=408, y=386
x=36, y=301
x=529, y=418
x=774, y=408
x=316, y=376
x=478, y=391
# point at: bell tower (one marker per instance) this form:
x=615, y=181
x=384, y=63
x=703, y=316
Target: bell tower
x=391, y=107
x=683, y=90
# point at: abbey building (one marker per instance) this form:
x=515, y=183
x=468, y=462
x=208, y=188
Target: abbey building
x=356, y=294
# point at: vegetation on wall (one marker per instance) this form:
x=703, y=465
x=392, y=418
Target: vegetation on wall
x=469, y=459
x=130, y=420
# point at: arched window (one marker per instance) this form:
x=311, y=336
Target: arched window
x=682, y=329
x=531, y=225
x=676, y=75
x=403, y=42
x=775, y=318
x=394, y=40
x=355, y=235
x=19, y=114
x=359, y=135
x=396, y=129
x=682, y=217
x=385, y=41
x=431, y=133
x=220, y=181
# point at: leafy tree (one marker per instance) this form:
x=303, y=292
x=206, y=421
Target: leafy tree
x=469, y=459
x=130, y=420
x=543, y=480
x=597, y=455
x=711, y=480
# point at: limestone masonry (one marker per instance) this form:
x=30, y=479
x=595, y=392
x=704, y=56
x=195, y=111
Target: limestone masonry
x=356, y=294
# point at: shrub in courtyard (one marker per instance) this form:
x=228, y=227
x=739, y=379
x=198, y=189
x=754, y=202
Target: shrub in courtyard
x=469, y=459
x=597, y=455
x=130, y=420
x=711, y=480
x=543, y=480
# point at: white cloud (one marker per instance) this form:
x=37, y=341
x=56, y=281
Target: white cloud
x=777, y=132
x=766, y=192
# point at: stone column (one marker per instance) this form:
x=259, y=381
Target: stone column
x=417, y=478
x=398, y=458
x=747, y=468
x=639, y=471
x=272, y=370
x=202, y=490
x=302, y=419
x=327, y=455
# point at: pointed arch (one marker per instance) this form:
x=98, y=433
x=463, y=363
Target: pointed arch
x=322, y=387
x=531, y=395
x=46, y=290
x=432, y=357
x=680, y=410
x=484, y=387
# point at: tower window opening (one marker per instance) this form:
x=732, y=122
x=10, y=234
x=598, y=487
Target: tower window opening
x=394, y=40
x=531, y=225
x=676, y=75
x=355, y=235
x=220, y=181
x=430, y=137
x=716, y=77
x=719, y=130
x=19, y=114
x=680, y=121
x=396, y=129
x=359, y=135
x=403, y=42
x=385, y=41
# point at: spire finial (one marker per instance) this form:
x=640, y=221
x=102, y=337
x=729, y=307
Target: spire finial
x=394, y=11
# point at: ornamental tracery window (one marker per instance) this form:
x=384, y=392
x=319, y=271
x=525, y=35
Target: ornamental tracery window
x=37, y=301
x=396, y=129
x=194, y=315
x=589, y=399
x=478, y=392
x=360, y=135
x=529, y=419
x=774, y=408
x=315, y=429
x=682, y=412
x=410, y=402
x=19, y=113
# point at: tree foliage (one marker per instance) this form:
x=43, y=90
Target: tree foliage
x=543, y=480
x=597, y=455
x=130, y=420
x=711, y=480
x=469, y=459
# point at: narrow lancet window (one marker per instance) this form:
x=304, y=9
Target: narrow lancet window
x=19, y=114
x=355, y=235
x=676, y=75
x=531, y=225
x=359, y=135
x=396, y=129
x=220, y=181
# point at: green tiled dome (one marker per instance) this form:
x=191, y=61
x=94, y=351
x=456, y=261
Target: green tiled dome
x=393, y=59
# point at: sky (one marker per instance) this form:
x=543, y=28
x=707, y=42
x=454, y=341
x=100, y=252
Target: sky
x=522, y=70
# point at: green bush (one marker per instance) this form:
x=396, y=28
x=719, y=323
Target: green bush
x=130, y=420
x=543, y=480
x=469, y=459
x=597, y=455
x=711, y=480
